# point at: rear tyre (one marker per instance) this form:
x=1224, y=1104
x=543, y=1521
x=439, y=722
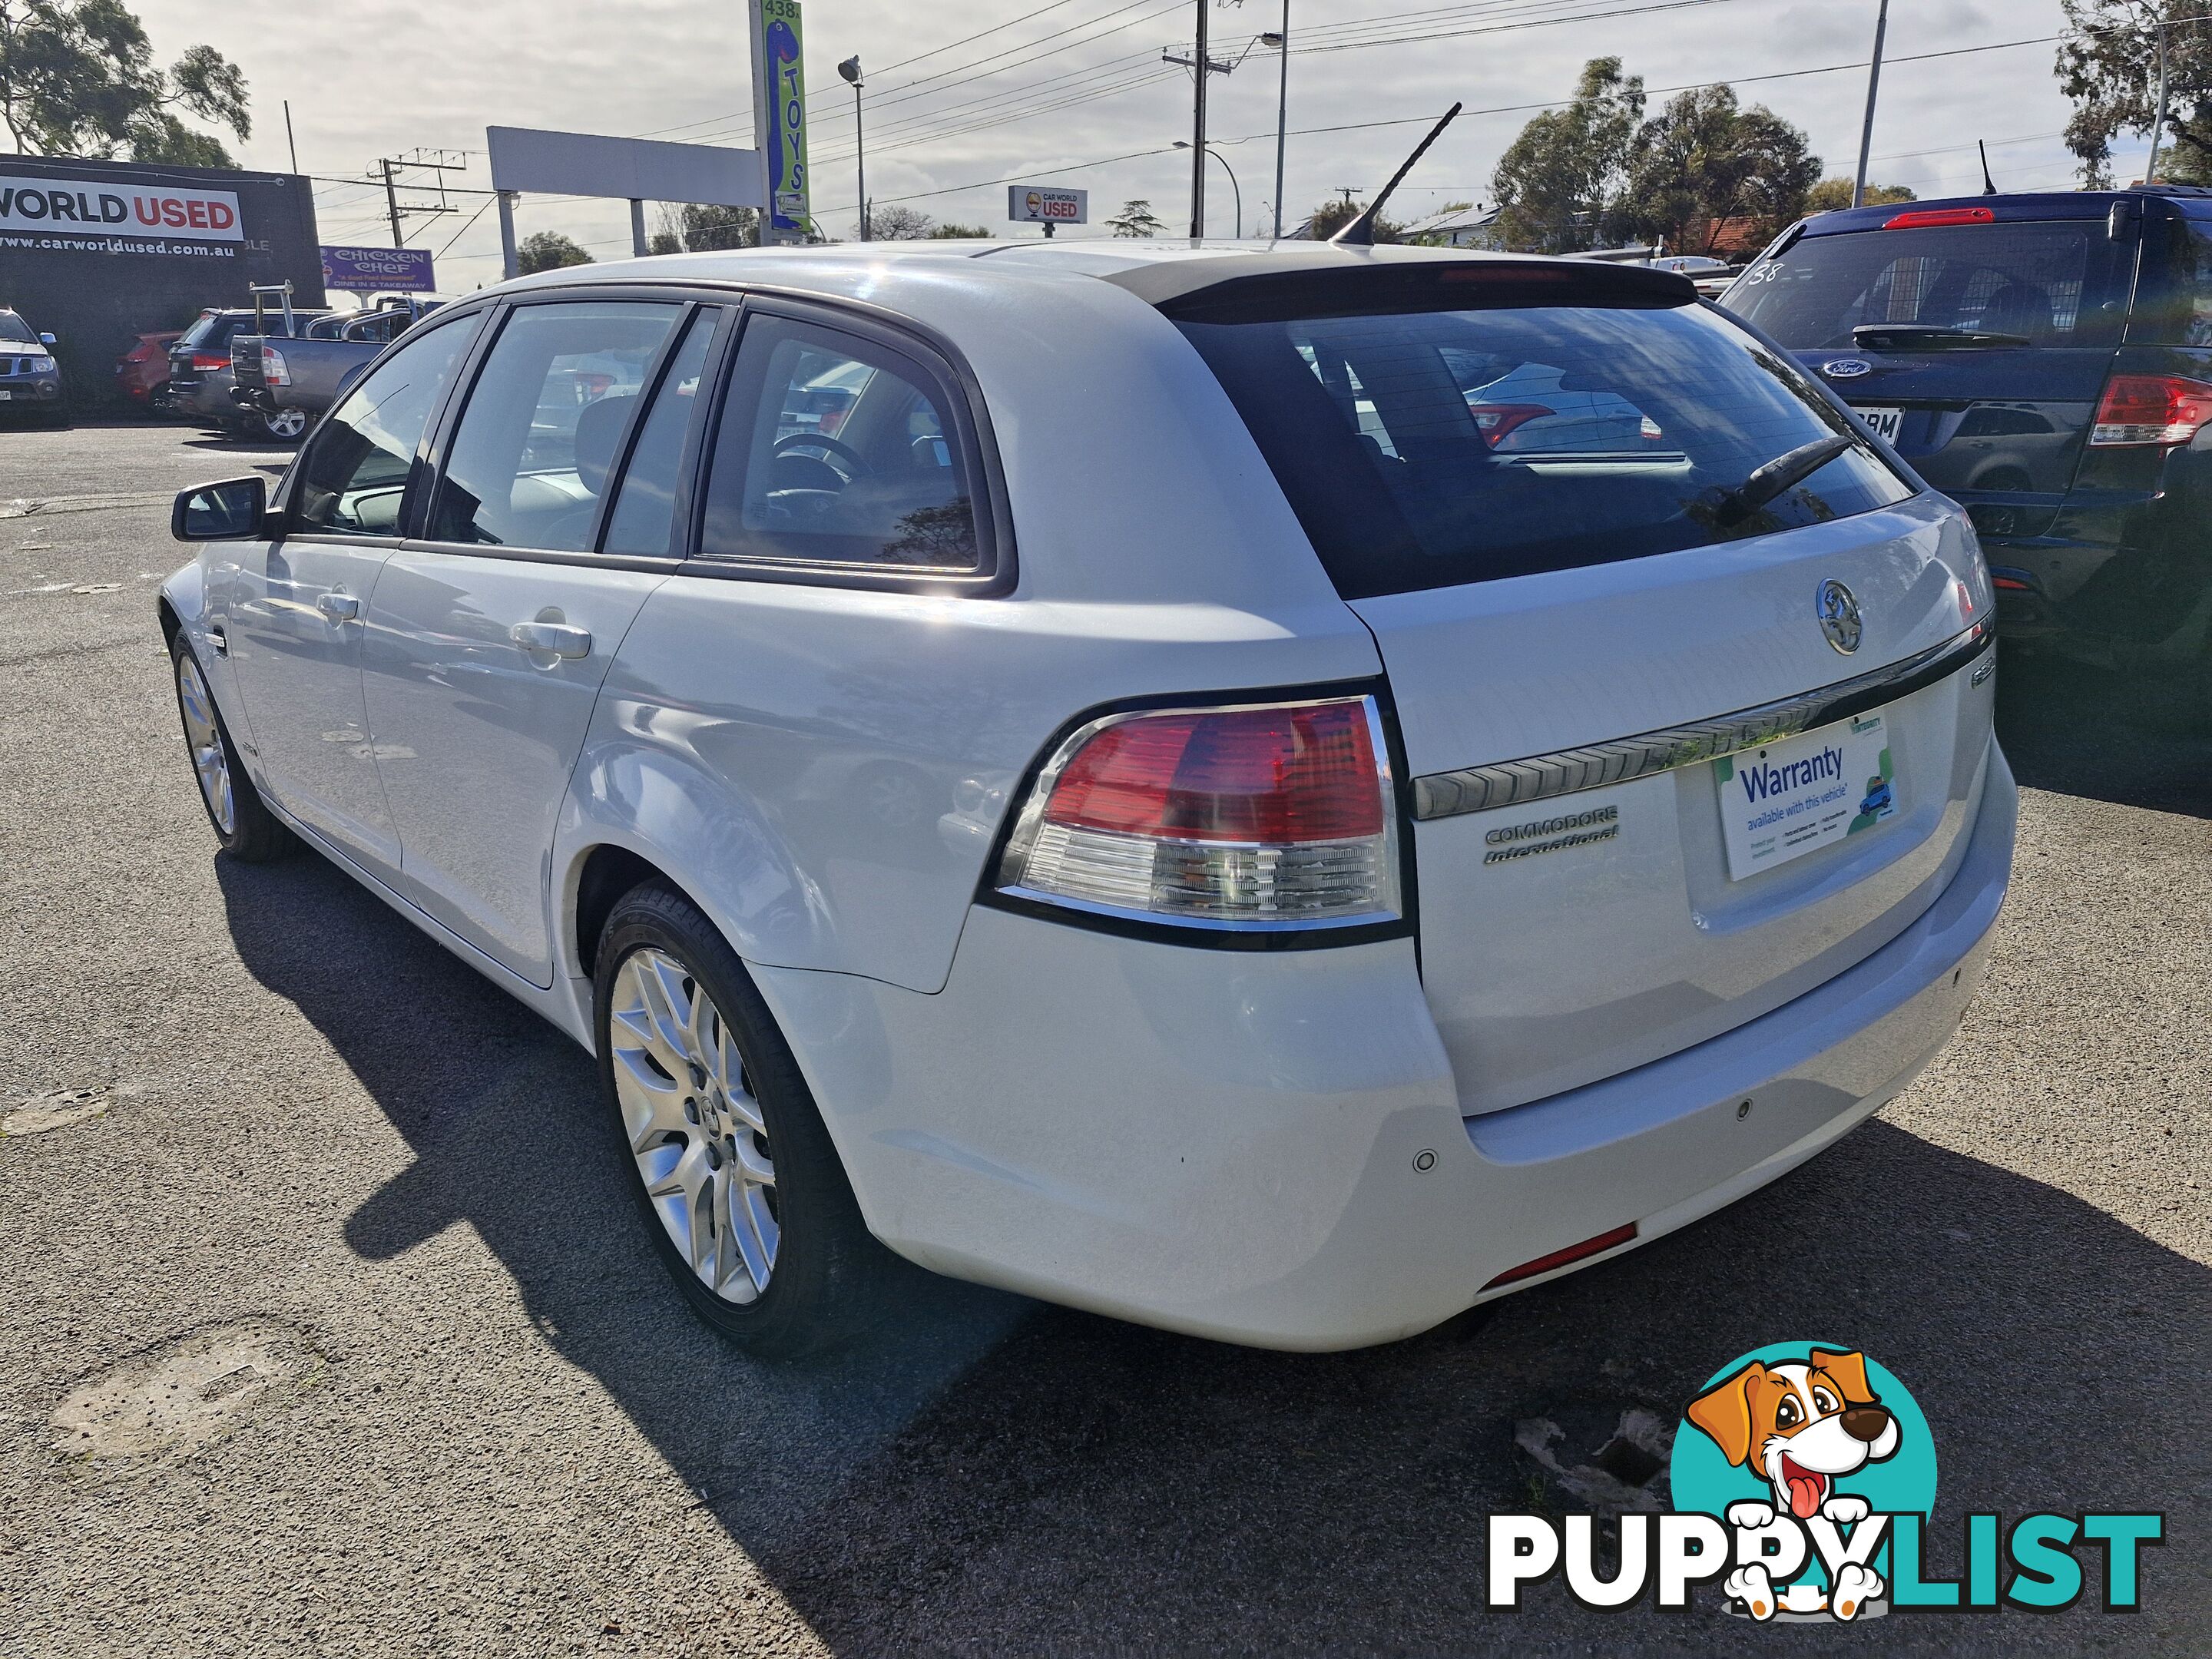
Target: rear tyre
x=284, y=426
x=741, y=1188
x=248, y=830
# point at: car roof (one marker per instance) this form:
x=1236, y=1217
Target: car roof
x=2015, y=207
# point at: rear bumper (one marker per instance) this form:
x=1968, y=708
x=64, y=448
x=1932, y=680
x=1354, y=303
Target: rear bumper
x=1270, y=1149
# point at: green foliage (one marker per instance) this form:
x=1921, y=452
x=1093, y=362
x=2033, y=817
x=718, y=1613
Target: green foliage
x=664, y=241
x=1702, y=161
x=1832, y=194
x=1136, y=218
x=1332, y=216
x=707, y=229
x=77, y=77
x=954, y=232
x=1559, y=185
x=549, y=250
x=2108, y=65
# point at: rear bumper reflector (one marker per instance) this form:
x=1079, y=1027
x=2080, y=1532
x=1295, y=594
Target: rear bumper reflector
x=1544, y=1264
x=1569, y=771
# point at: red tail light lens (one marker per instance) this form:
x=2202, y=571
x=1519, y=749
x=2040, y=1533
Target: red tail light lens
x=273, y=371
x=1271, y=816
x=1499, y=421
x=208, y=362
x=1544, y=1264
x=1969, y=216
x=2151, y=408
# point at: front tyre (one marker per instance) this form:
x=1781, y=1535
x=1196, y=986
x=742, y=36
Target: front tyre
x=248, y=830
x=742, y=1190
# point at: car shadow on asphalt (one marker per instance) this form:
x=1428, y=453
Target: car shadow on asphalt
x=994, y=1474
x=2076, y=730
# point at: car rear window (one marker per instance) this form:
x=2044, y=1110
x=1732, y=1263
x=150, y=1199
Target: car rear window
x=2053, y=283
x=1428, y=448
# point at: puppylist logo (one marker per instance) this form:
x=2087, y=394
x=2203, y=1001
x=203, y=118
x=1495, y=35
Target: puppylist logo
x=1804, y=1479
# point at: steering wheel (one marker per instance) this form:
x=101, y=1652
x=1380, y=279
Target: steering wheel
x=834, y=446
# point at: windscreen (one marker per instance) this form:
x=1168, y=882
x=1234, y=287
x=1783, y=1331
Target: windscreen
x=2051, y=283
x=15, y=330
x=1429, y=449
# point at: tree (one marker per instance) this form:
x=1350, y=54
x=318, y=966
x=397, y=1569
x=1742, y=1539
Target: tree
x=949, y=232
x=549, y=250
x=1136, y=218
x=1702, y=165
x=707, y=228
x=1330, y=218
x=1831, y=194
x=77, y=77
x=2108, y=65
x=1558, y=186
x=899, y=224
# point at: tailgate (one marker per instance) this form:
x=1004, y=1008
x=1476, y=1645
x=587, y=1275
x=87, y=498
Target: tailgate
x=1570, y=933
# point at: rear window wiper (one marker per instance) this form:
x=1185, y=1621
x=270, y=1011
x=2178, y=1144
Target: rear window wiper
x=1791, y=467
x=1880, y=336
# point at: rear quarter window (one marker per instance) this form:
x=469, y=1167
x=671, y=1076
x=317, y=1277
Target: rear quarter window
x=1430, y=448
x=2053, y=283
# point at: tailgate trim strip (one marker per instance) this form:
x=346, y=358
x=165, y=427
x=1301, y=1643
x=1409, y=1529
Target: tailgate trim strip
x=1570, y=771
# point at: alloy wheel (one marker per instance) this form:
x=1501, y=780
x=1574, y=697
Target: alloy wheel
x=693, y=1124
x=205, y=738
x=286, y=423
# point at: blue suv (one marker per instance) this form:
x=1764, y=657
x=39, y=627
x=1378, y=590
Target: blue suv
x=2046, y=360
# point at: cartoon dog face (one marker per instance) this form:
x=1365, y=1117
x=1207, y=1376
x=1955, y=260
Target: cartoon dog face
x=1800, y=1424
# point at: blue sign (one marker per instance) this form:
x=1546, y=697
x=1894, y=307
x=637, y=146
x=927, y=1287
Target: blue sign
x=379, y=270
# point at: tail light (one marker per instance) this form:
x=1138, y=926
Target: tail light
x=207, y=362
x=2151, y=408
x=1269, y=818
x=273, y=371
x=1498, y=421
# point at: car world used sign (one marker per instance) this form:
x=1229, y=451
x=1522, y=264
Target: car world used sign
x=1031, y=204
x=103, y=214
x=379, y=270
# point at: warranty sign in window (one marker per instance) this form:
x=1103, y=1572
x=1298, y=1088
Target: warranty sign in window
x=1780, y=802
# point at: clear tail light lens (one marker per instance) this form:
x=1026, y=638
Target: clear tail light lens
x=2151, y=408
x=273, y=370
x=1274, y=816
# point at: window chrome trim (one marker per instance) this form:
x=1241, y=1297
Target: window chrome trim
x=1570, y=771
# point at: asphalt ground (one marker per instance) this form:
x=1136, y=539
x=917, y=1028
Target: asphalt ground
x=329, y=1327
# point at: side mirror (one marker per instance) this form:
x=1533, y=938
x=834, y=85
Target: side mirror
x=230, y=511
x=46, y=339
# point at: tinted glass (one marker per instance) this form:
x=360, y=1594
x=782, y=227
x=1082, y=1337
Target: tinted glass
x=352, y=478
x=2052, y=284
x=201, y=328
x=645, y=508
x=2174, y=304
x=14, y=328
x=1430, y=448
x=834, y=449
x=544, y=425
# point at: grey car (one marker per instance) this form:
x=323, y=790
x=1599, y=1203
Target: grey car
x=200, y=378
x=30, y=379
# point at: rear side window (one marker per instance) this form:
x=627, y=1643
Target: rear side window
x=837, y=450
x=544, y=425
x=644, y=510
x=1426, y=449
x=2173, y=306
x=2053, y=283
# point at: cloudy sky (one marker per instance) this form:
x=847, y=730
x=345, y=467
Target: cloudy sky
x=1074, y=94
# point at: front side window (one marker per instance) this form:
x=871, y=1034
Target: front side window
x=544, y=424
x=1432, y=447
x=354, y=476
x=834, y=449
x=2042, y=282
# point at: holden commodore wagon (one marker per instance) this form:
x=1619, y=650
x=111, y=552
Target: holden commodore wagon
x=1138, y=798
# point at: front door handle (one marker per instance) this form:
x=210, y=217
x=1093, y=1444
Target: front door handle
x=337, y=606
x=560, y=638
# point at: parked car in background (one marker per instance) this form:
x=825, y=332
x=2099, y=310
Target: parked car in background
x=30, y=379
x=2046, y=360
x=1158, y=808
x=285, y=384
x=200, y=379
x=142, y=373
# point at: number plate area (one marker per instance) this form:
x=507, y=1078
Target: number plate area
x=1783, y=801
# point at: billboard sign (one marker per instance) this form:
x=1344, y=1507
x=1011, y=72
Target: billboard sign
x=641, y=169
x=1034, y=204
x=379, y=270
x=113, y=215
x=780, y=118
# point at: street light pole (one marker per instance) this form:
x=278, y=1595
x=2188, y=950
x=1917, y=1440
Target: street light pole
x=2158, y=120
x=850, y=69
x=1874, y=80
x=1282, y=44
x=1236, y=191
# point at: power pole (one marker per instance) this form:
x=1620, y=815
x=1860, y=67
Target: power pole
x=392, y=201
x=1200, y=66
x=292, y=146
x=1282, y=118
x=1874, y=80
x=439, y=161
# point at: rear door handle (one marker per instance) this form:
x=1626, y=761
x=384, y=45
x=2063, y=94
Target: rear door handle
x=338, y=607
x=560, y=638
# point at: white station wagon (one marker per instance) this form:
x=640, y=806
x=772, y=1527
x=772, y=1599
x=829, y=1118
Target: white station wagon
x=1099, y=768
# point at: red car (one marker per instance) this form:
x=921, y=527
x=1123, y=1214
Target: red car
x=143, y=372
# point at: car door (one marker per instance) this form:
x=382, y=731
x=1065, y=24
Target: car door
x=491, y=635
x=292, y=608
